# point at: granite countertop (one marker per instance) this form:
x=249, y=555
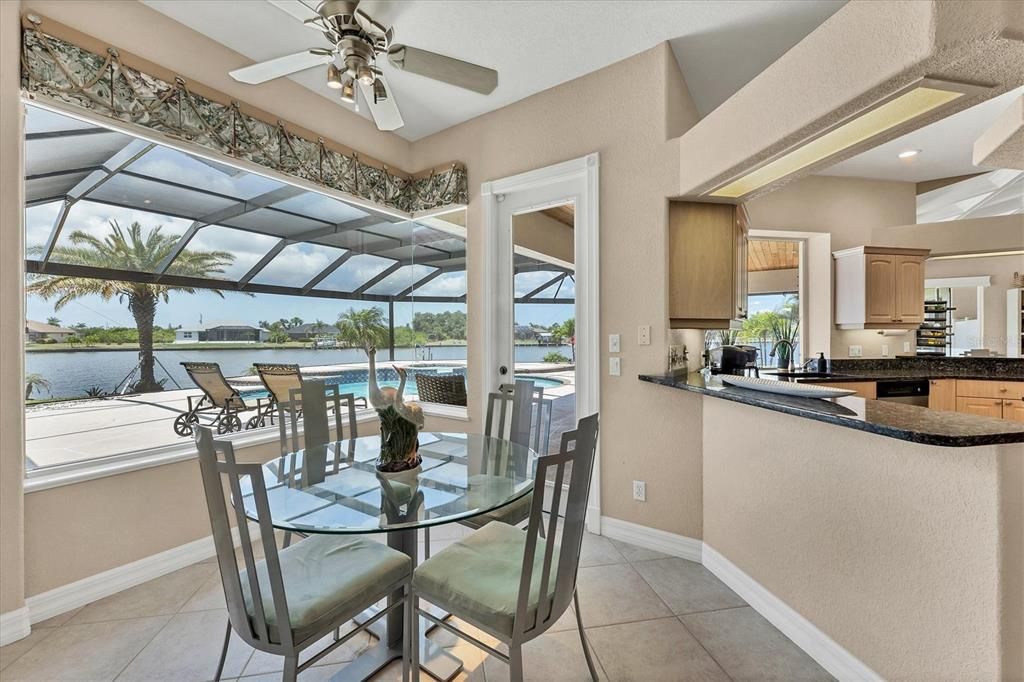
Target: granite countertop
x=885, y=418
x=901, y=374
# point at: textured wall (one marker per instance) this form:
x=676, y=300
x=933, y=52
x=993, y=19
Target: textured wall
x=891, y=548
x=12, y=391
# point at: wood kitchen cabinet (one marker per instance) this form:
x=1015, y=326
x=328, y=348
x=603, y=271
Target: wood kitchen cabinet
x=879, y=287
x=942, y=395
x=991, y=398
x=707, y=265
x=864, y=389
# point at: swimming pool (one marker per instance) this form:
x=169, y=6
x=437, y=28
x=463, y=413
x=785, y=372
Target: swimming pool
x=346, y=384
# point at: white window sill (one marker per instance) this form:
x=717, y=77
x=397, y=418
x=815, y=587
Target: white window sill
x=77, y=472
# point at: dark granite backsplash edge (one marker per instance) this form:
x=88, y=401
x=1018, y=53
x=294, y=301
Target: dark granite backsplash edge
x=981, y=366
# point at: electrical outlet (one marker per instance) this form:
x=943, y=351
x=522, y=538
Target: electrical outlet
x=615, y=366
x=640, y=491
x=856, y=351
x=643, y=335
x=885, y=350
x=906, y=346
x=614, y=343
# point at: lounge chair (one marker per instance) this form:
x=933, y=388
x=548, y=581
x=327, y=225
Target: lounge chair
x=280, y=380
x=447, y=389
x=218, y=395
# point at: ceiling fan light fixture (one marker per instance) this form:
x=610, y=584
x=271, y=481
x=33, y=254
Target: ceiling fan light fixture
x=333, y=77
x=348, y=92
x=380, y=93
x=364, y=75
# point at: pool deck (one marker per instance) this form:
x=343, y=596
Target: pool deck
x=63, y=432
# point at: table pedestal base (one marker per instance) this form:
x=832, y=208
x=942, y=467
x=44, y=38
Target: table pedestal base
x=434, y=660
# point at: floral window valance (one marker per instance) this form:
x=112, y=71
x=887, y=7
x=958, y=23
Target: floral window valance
x=66, y=73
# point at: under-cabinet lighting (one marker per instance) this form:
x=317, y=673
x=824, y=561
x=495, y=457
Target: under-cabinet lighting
x=913, y=102
x=987, y=254
x=909, y=154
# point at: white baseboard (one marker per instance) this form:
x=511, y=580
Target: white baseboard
x=14, y=625
x=81, y=592
x=651, y=538
x=830, y=655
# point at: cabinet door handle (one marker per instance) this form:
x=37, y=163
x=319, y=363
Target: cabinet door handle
x=1003, y=389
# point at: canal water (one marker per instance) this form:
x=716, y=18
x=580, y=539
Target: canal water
x=71, y=374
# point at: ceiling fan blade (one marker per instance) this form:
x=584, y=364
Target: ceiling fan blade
x=368, y=24
x=385, y=113
x=445, y=69
x=297, y=9
x=282, y=66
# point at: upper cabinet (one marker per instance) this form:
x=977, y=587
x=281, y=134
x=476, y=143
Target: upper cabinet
x=879, y=287
x=707, y=265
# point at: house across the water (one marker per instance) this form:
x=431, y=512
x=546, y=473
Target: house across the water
x=41, y=331
x=222, y=332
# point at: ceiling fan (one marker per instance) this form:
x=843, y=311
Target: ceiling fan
x=357, y=41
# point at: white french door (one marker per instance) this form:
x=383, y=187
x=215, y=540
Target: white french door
x=573, y=182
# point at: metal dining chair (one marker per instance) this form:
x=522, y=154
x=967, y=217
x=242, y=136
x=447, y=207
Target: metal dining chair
x=294, y=597
x=510, y=584
x=313, y=413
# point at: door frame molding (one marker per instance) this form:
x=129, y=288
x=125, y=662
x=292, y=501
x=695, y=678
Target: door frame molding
x=583, y=171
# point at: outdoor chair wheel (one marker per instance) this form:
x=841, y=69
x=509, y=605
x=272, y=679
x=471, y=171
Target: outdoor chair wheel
x=229, y=423
x=183, y=424
x=255, y=422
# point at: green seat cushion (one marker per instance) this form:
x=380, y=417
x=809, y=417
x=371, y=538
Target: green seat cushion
x=513, y=514
x=478, y=577
x=325, y=578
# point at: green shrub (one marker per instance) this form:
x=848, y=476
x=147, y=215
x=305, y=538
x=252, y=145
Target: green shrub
x=555, y=357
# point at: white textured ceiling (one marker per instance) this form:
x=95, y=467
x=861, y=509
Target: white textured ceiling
x=947, y=147
x=534, y=45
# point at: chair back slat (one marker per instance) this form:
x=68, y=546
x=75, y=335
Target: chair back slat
x=313, y=403
x=510, y=412
x=217, y=460
x=577, y=451
x=208, y=377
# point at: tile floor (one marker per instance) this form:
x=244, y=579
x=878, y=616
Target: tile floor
x=648, y=617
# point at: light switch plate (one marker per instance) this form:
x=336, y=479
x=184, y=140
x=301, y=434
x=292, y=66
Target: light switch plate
x=906, y=346
x=614, y=343
x=615, y=366
x=885, y=350
x=643, y=335
x=856, y=351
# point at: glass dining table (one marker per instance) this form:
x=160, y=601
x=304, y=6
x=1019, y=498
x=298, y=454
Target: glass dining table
x=335, y=488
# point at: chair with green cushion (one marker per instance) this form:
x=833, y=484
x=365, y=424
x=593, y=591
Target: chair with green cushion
x=293, y=597
x=511, y=584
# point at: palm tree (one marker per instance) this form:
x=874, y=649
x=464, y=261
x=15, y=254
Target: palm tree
x=132, y=250
x=366, y=329
x=567, y=330
x=34, y=382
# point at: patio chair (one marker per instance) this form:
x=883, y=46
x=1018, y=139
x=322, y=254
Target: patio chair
x=278, y=379
x=293, y=597
x=446, y=389
x=508, y=583
x=218, y=395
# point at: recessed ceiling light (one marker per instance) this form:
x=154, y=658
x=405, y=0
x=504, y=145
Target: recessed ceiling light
x=909, y=153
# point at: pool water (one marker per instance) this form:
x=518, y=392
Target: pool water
x=361, y=389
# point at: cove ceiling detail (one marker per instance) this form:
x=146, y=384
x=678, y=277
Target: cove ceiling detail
x=63, y=72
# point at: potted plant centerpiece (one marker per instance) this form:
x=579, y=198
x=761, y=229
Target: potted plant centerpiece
x=400, y=421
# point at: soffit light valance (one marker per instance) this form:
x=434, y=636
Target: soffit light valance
x=65, y=73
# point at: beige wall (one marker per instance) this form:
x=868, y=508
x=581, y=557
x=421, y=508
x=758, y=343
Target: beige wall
x=12, y=425
x=638, y=172
x=773, y=281
x=902, y=553
x=544, y=234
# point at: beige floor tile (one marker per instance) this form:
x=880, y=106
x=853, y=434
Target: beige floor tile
x=556, y=656
x=58, y=620
x=616, y=594
x=15, y=650
x=163, y=596
x=687, y=587
x=599, y=551
x=318, y=673
x=748, y=647
x=188, y=648
x=653, y=650
x=263, y=663
x=634, y=553
x=209, y=596
x=91, y=651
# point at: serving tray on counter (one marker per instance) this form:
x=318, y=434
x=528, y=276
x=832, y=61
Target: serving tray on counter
x=785, y=388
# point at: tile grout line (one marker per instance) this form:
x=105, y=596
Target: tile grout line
x=701, y=645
